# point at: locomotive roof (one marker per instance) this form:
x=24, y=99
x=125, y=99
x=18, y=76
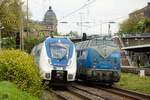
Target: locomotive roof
x=96, y=42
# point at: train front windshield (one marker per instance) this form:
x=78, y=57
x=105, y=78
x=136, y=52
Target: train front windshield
x=59, y=51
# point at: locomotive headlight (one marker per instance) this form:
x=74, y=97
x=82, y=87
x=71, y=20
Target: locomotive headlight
x=49, y=61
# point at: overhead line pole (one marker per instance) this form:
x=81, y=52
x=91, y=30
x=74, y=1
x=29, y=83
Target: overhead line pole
x=27, y=19
x=1, y=27
x=21, y=29
x=0, y=39
x=81, y=22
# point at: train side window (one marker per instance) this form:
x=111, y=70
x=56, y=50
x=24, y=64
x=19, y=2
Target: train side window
x=38, y=52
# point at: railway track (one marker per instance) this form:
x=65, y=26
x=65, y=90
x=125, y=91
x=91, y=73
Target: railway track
x=127, y=94
x=81, y=91
x=74, y=93
x=113, y=93
x=66, y=95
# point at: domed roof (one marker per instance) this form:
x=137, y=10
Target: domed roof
x=50, y=17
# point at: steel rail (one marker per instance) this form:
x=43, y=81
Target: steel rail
x=127, y=93
x=120, y=92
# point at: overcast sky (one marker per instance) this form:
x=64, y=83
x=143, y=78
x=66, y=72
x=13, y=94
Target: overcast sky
x=98, y=13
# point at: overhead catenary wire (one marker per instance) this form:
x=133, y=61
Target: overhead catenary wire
x=105, y=22
x=71, y=13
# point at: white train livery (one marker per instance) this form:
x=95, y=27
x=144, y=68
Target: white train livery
x=57, y=60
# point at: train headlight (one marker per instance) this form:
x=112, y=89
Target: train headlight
x=70, y=76
x=47, y=75
x=49, y=61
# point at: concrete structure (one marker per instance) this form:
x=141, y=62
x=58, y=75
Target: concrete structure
x=138, y=50
x=136, y=40
x=48, y=25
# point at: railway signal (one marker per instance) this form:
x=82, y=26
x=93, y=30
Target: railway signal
x=18, y=40
x=84, y=37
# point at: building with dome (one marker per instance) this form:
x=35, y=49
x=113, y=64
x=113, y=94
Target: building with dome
x=50, y=20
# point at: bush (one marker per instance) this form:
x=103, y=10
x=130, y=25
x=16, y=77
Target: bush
x=30, y=42
x=19, y=67
x=9, y=42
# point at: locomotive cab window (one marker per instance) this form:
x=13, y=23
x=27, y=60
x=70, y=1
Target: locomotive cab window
x=83, y=54
x=59, y=51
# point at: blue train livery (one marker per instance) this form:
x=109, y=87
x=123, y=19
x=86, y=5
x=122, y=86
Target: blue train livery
x=98, y=60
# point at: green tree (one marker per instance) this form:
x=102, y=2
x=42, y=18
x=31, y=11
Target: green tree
x=136, y=25
x=31, y=41
x=147, y=25
x=10, y=15
x=73, y=33
x=128, y=26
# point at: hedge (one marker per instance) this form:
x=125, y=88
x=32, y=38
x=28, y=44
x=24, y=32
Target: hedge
x=18, y=67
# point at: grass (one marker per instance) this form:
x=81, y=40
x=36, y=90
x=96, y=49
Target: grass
x=9, y=91
x=134, y=82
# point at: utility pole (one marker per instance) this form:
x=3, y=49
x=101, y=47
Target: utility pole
x=109, y=33
x=109, y=25
x=101, y=28
x=21, y=34
x=0, y=36
x=87, y=15
x=21, y=30
x=1, y=27
x=27, y=18
x=81, y=22
x=0, y=39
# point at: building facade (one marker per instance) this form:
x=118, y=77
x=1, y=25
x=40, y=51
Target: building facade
x=144, y=12
x=50, y=21
x=138, y=50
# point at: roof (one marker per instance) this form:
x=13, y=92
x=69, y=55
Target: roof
x=144, y=10
x=138, y=48
x=50, y=17
x=53, y=40
x=104, y=40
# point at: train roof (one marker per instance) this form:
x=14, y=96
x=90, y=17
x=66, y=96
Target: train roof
x=58, y=39
x=100, y=41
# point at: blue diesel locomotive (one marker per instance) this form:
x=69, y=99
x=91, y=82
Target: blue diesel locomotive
x=98, y=60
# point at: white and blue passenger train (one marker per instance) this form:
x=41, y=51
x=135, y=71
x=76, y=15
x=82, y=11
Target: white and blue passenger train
x=57, y=60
